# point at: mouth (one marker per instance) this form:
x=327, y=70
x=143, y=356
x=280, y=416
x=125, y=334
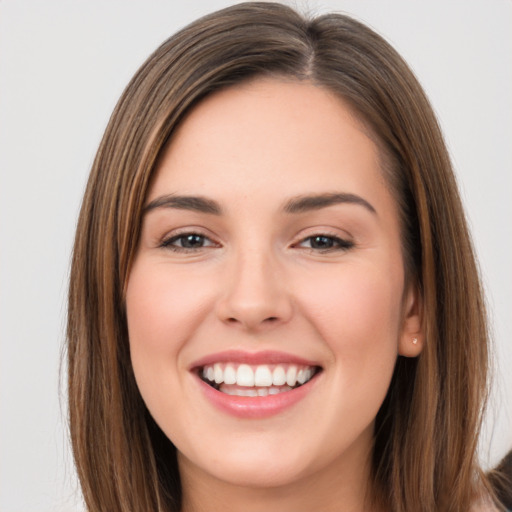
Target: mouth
x=247, y=380
x=256, y=385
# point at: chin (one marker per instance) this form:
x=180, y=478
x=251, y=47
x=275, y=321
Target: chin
x=261, y=477
x=256, y=468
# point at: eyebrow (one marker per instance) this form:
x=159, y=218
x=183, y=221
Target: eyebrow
x=299, y=204
x=303, y=204
x=194, y=203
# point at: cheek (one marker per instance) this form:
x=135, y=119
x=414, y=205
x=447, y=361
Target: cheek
x=357, y=313
x=163, y=311
x=355, y=301
x=163, y=308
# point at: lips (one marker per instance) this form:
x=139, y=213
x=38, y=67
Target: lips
x=255, y=384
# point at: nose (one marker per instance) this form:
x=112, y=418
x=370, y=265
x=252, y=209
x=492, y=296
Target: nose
x=255, y=296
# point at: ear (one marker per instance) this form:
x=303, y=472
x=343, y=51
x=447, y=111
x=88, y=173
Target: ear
x=411, y=338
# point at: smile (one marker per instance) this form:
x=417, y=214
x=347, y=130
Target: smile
x=255, y=385
x=256, y=380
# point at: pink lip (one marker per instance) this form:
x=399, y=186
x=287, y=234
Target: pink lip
x=253, y=407
x=258, y=406
x=254, y=358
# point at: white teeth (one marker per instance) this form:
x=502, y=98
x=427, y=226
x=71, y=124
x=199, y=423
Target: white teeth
x=244, y=392
x=245, y=376
x=218, y=373
x=276, y=391
x=291, y=376
x=260, y=376
x=229, y=375
x=278, y=376
x=263, y=376
x=236, y=391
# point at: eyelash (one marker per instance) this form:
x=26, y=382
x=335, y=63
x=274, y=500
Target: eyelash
x=168, y=242
x=337, y=243
x=334, y=243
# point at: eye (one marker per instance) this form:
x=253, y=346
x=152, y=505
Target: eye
x=188, y=242
x=325, y=243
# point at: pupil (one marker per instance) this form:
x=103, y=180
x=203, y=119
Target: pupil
x=191, y=241
x=322, y=242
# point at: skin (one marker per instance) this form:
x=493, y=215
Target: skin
x=258, y=282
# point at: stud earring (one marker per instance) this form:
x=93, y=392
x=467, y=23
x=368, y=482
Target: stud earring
x=415, y=341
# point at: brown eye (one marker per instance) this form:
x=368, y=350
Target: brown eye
x=322, y=242
x=191, y=241
x=188, y=242
x=325, y=243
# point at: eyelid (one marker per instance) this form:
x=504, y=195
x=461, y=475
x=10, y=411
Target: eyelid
x=342, y=243
x=167, y=240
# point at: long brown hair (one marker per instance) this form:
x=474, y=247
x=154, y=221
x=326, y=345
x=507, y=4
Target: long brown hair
x=426, y=431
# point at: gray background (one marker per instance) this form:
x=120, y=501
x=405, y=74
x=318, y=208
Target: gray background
x=63, y=64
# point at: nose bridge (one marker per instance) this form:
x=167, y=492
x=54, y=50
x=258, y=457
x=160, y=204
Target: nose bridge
x=256, y=295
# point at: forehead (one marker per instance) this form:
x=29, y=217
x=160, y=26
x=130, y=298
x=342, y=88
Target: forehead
x=271, y=136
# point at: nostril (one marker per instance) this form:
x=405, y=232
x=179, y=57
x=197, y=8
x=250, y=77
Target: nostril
x=268, y=320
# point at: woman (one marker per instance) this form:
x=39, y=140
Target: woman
x=274, y=302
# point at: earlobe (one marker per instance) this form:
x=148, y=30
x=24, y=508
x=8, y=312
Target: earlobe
x=411, y=338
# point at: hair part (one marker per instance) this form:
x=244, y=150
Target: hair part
x=427, y=428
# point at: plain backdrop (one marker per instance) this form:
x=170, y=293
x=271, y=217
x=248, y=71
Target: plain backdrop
x=63, y=65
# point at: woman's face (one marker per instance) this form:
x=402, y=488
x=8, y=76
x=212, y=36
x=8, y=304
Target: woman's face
x=270, y=255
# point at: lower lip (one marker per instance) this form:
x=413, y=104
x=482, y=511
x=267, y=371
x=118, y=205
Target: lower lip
x=257, y=406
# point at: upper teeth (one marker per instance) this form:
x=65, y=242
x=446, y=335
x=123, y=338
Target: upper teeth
x=257, y=375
